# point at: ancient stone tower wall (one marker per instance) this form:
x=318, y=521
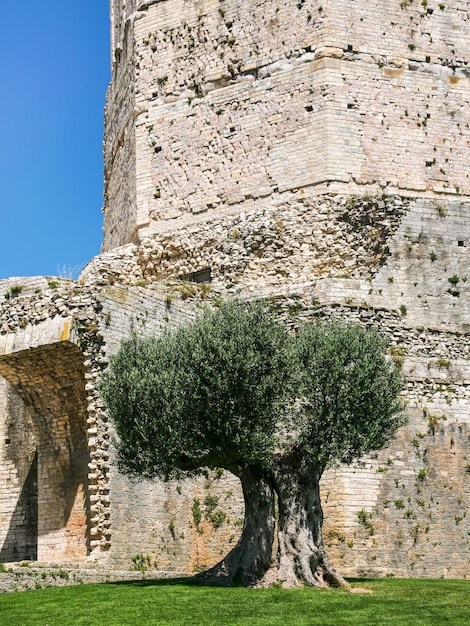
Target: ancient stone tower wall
x=312, y=154
x=219, y=107
x=315, y=154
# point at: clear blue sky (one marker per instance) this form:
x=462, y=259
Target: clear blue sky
x=54, y=71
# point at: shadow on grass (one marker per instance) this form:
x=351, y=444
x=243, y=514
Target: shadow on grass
x=190, y=581
x=360, y=580
x=198, y=581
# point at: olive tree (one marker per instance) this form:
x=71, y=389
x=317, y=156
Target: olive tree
x=348, y=404
x=235, y=390
x=211, y=394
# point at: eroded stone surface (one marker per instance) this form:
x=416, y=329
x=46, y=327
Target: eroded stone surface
x=311, y=154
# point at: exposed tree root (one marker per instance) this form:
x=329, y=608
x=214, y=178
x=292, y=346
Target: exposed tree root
x=301, y=556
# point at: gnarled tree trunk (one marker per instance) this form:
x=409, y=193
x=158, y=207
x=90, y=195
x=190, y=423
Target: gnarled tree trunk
x=246, y=563
x=301, y=557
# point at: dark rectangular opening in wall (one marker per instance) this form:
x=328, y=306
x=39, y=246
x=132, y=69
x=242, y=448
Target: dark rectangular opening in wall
x=461, y=244
x=202, y=276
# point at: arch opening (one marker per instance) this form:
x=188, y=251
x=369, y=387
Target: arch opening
x=45, y=514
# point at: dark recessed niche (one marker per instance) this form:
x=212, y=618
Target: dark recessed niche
x=461, y=244
x=203, y=276
x=7, y=441
x=428, y=59
x=349, y=48
x=309, y=108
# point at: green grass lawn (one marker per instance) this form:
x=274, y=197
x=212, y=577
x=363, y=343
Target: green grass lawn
x=393, y=602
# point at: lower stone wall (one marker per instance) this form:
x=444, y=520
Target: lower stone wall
x=400, y=513
x=403, y=512
x=180, y=526
x=27, y=576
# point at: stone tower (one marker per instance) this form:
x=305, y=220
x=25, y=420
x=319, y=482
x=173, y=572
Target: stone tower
x=314, y=154
x=220, y=109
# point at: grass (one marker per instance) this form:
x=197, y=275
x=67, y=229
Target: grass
x=394, y=602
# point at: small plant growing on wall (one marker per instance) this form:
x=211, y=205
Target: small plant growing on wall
x=14, y=292
x=142, y=563
x=398, y=355
x=197, y=515
x=422, y=474
x=364, y=520
x=433, y=420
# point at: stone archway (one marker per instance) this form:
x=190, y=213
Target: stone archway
x=50, y=381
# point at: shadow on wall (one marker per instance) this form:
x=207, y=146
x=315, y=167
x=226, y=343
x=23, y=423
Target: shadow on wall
x=21, y=542
x=54, y=505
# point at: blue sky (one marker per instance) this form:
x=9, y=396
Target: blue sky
x=54, y=71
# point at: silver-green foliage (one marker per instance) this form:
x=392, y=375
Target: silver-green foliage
x=210, y=394
x=350, y=393
x=235, y=389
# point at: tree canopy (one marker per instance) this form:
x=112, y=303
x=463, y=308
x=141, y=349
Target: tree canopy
x=212, y=393
x=349, y=390
x=235, y=389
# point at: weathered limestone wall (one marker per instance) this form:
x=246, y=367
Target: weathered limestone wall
x=120, y=11
x=55, y=339
x=246, y=103
x=404, y=512
x=386, y=251
x=120, y=148
x=183, y=526
x=312, y=154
